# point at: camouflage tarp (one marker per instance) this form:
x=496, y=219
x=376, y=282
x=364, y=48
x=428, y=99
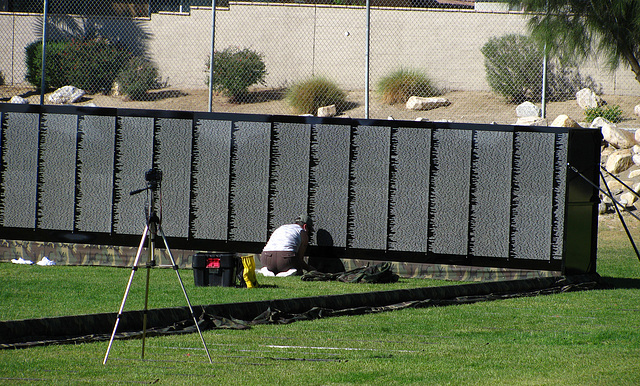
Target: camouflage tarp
x=84, y=254
x=119, y=256
x=96, y=327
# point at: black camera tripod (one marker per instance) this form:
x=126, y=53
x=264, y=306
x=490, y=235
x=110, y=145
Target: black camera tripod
x=152, y=229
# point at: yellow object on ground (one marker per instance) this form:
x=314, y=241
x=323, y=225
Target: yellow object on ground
x=249, y=274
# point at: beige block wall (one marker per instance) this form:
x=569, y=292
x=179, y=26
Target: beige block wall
x=16, y=32
x=298, y=41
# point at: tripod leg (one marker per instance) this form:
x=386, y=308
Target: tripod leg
x=184, y=291
x=150, y=263
x=624, y=224
x=126, y=292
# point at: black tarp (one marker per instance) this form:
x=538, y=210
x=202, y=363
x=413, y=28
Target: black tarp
x=98, y=327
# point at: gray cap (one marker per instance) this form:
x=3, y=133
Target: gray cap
x=305, y=219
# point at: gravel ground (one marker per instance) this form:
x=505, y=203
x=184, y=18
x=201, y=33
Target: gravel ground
x=466, y=106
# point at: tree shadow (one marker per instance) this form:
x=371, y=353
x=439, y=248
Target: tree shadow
x=24, y=94
x=277, y=94
x=126, y=32
x=29, y=93
x=163, y=94
x=259, y=96
x=346, y=106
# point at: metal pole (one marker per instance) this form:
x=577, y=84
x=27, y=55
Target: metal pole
x=213, y=39
x=153, y=227
x=543, y=110
x=366, y=84
x=44, y=49
x=544, y=83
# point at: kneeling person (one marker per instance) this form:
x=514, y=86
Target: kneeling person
x=286, y=247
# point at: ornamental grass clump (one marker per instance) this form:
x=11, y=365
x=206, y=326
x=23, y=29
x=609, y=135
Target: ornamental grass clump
x=235, y=70
x=402, y=84
x=307, y=96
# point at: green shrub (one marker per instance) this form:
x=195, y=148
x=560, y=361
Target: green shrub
x=563, y=83
x=400, y=85
x=235, y=70
x=91, y=65
x=514, y=64
x=55, y=74
x=308, y=95
x=137, y=77
x=94, y=64
x=514, y=67
x=610, y=113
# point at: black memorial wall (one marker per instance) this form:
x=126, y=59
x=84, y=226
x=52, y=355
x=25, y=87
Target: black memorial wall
x=431, y=192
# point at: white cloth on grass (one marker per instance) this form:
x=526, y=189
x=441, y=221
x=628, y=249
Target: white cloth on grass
x=45, y=261
x=21, y=261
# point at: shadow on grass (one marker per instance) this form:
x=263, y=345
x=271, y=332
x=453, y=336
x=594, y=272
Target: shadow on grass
x=99, y=327
x=266, y=285
x=621, y=282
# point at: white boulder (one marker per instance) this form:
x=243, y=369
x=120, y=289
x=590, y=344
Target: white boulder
x=586, y=99
x=422, y=103
x=619, y=138
x=531, y=121
x=66, y=94
x=598, y=122
x=628, y=199
x=527, y=109
x=564, y=121
x=619, y=161
x=327, y=111
x=18, y=100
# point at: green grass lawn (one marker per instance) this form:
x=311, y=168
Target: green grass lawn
x=576, y=338
x=34, y=291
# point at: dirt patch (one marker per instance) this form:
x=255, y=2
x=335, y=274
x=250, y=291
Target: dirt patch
x=466, y=106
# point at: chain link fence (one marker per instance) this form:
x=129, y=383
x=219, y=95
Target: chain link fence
x=289, y=57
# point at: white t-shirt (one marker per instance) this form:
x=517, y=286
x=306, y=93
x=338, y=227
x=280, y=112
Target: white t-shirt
x=285, y=238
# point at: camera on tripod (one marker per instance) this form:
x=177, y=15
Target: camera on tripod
x=153, y=177
x=152, y=230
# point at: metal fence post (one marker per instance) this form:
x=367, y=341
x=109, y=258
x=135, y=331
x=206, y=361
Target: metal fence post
x=544, y=83
x=213, y=39
x=366, y=85
x=292, y=41
x=44, y=50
